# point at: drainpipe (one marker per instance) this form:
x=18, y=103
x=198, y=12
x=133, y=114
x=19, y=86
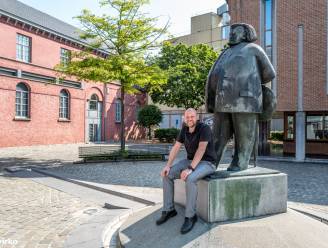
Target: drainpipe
x=84, y=112
x=104, y=115
x=300, y=114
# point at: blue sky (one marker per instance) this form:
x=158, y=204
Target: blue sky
x=178, y=11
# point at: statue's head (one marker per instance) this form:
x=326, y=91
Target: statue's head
x=240, y=32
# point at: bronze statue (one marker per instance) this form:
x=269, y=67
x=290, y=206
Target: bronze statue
x=234, y=94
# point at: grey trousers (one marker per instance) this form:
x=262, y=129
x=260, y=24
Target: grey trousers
x=203, y=169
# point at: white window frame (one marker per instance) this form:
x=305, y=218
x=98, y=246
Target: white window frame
x=64, y=105
x=23, y=48
x=22, y=102
x=118, y=112
x=65, y=56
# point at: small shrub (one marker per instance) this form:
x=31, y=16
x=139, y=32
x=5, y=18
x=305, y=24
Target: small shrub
x=277, y=135
x=166, y=134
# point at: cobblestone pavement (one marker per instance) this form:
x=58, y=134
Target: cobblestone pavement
x=50, y=155
x=307, y=182
x=139, y=174
x=35, y=216
x=43, y=155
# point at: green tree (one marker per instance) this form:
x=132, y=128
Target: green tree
x=126, y=36
x=149, y=116
x=187, y=67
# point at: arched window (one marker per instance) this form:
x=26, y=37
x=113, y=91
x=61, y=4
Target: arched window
x=118, y=113
x=22, y=100
x=93, y=102
x=64, y=104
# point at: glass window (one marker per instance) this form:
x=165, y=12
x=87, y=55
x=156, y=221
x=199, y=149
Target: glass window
x=225, y=18
x=225, y=31
x=93, y=132
x=22, y=100
x=325, y=122
x=23, y=48
x=268, y=38
x=268, y=27
x=65, y=56
x=268, y=14
x=93, y=103
x=64, y=104
x=316, y=127
x=118, y=110
x=290, y=126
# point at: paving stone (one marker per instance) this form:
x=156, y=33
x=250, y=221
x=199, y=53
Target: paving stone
x=34, y=213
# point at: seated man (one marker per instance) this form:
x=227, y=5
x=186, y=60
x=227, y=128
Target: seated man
x=197, y=139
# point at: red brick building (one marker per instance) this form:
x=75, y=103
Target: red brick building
x=36, y=107
x=294, y=34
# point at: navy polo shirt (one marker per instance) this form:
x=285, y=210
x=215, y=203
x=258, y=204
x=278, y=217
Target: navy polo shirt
x=191, y=141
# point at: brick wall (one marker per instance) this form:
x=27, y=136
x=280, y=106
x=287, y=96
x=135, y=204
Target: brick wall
x=313, y=15
x=43, y=126
x=245, y=11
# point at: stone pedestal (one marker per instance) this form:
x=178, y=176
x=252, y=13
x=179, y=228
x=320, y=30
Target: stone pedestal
x=226, y=196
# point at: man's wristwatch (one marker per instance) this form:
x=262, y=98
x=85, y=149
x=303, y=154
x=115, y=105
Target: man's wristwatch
x=191, y=168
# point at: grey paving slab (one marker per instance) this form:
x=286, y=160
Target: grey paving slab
x=85, y=193
x=315, y=211
x=288, y=230
x=137, y=195
x=35, y=215
x=91, y=234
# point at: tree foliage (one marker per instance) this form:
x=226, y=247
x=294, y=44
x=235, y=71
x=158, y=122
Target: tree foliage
x=125, y=36
x=187, y=67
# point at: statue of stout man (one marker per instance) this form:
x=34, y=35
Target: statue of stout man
x=234, y=93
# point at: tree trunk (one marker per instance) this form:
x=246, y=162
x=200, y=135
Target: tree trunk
x=122, y=120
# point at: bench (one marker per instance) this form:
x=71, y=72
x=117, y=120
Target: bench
x=86, y=152
x=137, y=152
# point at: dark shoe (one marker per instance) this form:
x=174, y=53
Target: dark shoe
x=165, y=216
x=188, y=224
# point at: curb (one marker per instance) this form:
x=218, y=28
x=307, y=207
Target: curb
x=312, y=215
x=110, y=234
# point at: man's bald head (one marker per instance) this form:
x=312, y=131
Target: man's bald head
x=192, y=110
x=190, y=117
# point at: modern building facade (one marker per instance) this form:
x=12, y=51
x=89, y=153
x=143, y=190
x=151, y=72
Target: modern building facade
x=294, y=35
x=37, y=105
x=211, y=29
